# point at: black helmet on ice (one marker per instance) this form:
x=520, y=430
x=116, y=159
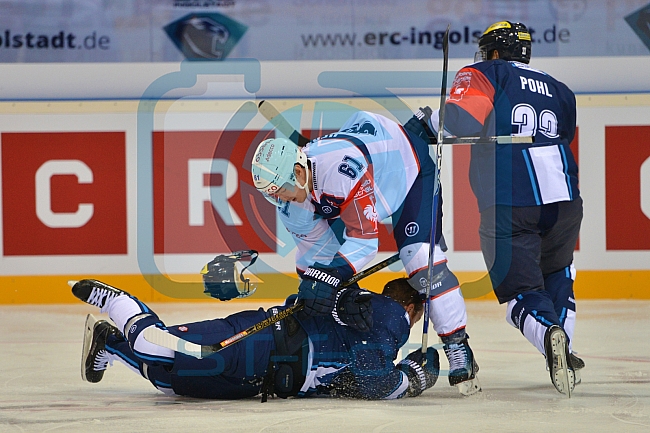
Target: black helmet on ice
x=220, y=276
x=511, y=40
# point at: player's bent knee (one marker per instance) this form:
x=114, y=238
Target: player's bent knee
x=147, y=352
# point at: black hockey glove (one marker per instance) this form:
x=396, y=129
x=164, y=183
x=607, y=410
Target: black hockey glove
x=422, y=375
x=419, y=125
x=353, y=309
x=318, y=290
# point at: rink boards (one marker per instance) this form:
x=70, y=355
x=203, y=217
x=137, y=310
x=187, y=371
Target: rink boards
x=120, y=190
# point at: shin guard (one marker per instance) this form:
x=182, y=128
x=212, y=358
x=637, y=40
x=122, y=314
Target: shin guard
x=149, y=353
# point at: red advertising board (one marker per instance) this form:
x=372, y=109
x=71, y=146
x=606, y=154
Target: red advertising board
x=64, y=193
x=626, y=149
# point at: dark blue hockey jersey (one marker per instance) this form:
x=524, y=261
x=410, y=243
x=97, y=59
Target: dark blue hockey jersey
x=341, y=360
x=360, y=363
x=502, y=98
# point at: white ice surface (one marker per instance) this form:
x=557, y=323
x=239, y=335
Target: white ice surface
x=41, y=389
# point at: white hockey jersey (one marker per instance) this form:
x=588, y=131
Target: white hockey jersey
x=361, y=174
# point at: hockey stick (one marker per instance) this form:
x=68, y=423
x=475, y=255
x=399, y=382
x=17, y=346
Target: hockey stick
x=472, y=385
x=499, y=139
x=164, y=339
x=282, y=124
x=436, y=189
x=276, y=119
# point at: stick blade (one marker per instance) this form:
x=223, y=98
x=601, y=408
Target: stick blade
x=267, y=110
x=276, y=119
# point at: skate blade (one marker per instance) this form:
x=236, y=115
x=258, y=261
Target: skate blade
x=88, y=338
x=563, y=377
x=469, y=387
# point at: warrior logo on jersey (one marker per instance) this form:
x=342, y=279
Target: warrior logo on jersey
x=313, y=176
x=460, y=86
x=361, y=128
x=411, y=229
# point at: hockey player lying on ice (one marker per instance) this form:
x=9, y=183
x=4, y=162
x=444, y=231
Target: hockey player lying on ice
x=299, y=356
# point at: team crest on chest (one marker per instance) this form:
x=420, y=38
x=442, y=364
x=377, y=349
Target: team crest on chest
x=364, y=203
x=460, y=86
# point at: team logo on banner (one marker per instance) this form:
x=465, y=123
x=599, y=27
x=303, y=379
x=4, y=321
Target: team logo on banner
x=205, y=36
x=640, y=23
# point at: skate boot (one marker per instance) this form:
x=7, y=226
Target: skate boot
x=95, y=292
x=462, y=367
x=94, y=357
x=559, y=360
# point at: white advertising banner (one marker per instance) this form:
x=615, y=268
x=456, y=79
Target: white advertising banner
x=173, y=30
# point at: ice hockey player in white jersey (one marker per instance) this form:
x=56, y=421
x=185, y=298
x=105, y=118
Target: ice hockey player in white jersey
x=370, y=170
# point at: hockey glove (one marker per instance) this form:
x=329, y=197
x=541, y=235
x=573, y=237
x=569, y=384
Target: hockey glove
x=419, y=125
x=353, y=309
x=422, y=375
x=318, y=290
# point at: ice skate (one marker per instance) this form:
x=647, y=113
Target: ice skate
x=95, y=292
x=94, y=357
x=558, y=360
x=462, y=367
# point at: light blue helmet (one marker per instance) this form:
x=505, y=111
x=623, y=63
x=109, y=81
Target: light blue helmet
x=273, y=167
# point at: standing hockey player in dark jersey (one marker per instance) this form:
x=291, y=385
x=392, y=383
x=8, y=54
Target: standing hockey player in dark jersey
x=370, y=170
x=527, y=194
x=297, y=356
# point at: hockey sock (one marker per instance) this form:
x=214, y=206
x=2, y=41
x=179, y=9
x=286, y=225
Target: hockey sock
x=128, y=312
x=123, y=308
x=118, y=348
x=455, y=337
x=448, y=315
x=149, y=353
x=532, y=313
x=560, y=286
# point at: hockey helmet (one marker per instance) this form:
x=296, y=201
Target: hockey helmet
x=273, y=167
x=511, y=40
x=220, y=278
